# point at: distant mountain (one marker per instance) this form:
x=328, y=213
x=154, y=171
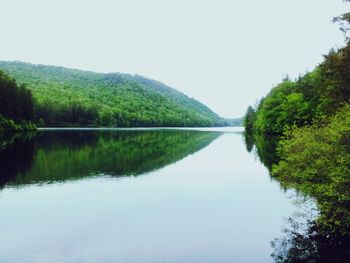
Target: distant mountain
x=235, y=122
x=71, y=97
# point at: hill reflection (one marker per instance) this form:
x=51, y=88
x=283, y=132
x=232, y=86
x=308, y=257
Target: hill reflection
x=53, y=156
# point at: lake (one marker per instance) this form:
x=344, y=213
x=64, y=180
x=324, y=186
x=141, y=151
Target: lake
x=138, y=195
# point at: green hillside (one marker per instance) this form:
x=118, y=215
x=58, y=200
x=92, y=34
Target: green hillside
x=16, y=106
x=70, y=97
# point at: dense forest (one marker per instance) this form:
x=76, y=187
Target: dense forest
x=301, y=131
x=69, y=97
x=16, y=105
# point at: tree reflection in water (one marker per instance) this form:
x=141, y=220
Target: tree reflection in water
x=57, y=156
x=307, y=237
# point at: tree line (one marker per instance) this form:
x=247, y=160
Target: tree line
x=16, y=105
x=313, y=96
x=67, y=97
x=301, y=131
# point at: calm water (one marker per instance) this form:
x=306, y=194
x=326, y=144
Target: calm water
x=137, y=196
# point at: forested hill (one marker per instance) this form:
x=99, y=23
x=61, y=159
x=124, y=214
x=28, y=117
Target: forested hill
x=16, y=106
x=70, y=97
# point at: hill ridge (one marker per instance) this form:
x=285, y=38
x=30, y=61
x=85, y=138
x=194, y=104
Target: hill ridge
x=110, y=99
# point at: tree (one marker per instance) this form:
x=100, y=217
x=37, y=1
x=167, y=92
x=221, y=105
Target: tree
x=249, y=119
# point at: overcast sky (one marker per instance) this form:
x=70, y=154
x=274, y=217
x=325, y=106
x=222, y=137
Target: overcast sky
x=225, y=53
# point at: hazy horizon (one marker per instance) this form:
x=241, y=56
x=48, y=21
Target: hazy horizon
x=226, y=54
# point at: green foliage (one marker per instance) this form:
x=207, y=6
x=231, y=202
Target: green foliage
x=309, y=121
x=283, y=107
x=316, y=160
x=16, y=105
x=249, y=119
x=68, y=97
x=10, y=125
x=314, y=96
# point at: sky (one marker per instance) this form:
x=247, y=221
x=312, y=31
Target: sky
x=225, y=53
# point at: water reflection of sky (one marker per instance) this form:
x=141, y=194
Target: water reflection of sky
x=217, y=205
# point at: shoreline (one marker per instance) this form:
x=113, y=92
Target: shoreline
x=220, y=129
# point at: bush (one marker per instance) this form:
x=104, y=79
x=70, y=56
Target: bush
x=10, y=125
x=316, y=160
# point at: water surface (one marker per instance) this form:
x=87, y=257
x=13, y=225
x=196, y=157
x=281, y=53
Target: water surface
x=137, y=196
